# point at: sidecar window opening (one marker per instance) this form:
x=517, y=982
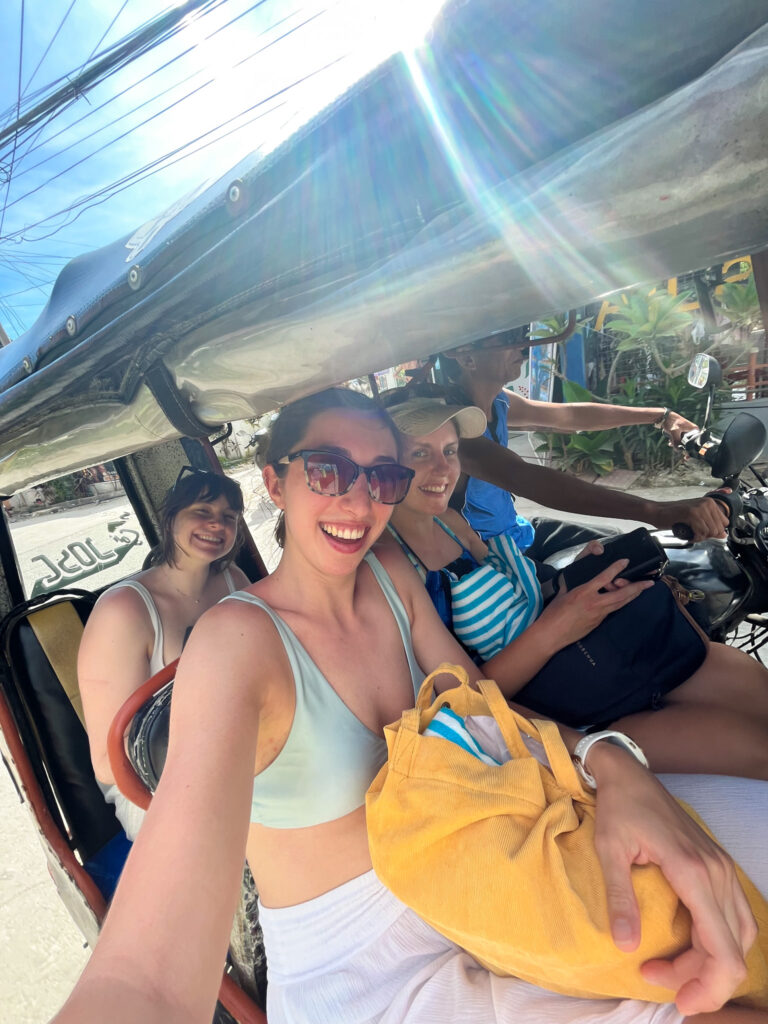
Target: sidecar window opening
x=78, y=530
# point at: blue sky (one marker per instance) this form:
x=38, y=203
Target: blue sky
x=51, y=213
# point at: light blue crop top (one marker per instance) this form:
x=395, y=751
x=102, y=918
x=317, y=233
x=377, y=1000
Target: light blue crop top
x=329, y=758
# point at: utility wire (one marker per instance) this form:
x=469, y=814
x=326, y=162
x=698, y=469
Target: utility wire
x=47, y=49
x=103, y=36
x=102, y=195
x=45, y=91
x=18, y=108
x=32, y=288
x=152, y=117
x=11, y=317
x=94, y=110
x=135, y=45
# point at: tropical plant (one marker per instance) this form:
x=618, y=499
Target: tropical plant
x=542, y=330
x=656, y=323
x=580, y=453
x=739, y=303
x=635, y=447
x=642, y=449
x=63, y=488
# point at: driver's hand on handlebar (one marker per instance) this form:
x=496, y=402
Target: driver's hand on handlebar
x=705, y=516
x=675, y=426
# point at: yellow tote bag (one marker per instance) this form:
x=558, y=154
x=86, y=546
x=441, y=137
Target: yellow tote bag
x=501, y=860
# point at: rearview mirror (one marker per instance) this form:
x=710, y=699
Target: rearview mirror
x=742, y=443
x=705, y=370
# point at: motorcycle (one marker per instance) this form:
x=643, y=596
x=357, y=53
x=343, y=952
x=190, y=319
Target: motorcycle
x=726, y=580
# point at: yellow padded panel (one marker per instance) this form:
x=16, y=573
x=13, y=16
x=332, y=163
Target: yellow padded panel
x=58, y=629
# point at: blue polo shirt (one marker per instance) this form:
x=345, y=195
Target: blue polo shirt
x=488, y=509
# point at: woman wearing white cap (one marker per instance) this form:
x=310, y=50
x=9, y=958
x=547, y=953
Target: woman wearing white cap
x=694, y=706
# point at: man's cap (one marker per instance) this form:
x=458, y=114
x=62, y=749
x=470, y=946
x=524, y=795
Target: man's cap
x=417, y=417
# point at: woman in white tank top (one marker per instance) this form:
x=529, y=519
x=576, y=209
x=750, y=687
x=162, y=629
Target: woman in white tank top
x=139, y=625
x=341, y=949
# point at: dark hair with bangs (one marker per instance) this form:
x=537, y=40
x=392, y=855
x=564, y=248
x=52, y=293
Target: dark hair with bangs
x=192, y=486
x=293, y=420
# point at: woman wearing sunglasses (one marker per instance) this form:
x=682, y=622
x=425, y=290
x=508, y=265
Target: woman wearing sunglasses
x=139, y=625
x=310, y=663
x=697, y=706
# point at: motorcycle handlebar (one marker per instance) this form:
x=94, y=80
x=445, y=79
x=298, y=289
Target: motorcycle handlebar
x=732, y=503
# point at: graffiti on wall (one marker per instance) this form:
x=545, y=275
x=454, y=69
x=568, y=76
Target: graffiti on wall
x=82, y=558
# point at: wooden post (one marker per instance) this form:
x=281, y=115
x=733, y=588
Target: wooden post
x=760, y=272
x=751, y=375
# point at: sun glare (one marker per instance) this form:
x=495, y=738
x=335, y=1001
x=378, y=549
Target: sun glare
x=293, y=64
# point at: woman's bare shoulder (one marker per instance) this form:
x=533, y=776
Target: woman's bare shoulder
x=121, y=602
x=118, y=632
x=391, y=556
x=237, y=620
x=406, y=580
x=236, y=643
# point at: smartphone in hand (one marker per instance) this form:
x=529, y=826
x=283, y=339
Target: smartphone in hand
x=647, y=559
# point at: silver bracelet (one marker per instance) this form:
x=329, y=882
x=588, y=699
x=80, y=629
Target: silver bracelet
x=618, y=739
x=661, y=421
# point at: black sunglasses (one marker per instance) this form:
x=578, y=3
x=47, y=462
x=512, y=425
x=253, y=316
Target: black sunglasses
x=332, y=475
x=189, y=471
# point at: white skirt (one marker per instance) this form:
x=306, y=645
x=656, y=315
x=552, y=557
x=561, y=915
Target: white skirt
x=736, y=811
x=357, y=955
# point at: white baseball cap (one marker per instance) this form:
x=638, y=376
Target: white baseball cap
x=417, y=417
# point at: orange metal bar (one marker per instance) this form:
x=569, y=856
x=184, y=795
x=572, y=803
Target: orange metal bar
x=48, y=826
x=242, y=1008
x=128, y=782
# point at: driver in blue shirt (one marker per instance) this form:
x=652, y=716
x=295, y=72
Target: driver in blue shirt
x=479, y=372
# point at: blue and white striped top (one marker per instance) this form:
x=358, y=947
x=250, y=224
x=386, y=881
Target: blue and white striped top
x=492, y=603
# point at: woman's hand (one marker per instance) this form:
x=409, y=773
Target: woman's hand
x=574, y=613
x=594, y=547
x=638, y=822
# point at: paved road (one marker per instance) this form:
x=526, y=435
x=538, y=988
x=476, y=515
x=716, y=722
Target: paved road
x=41, y=951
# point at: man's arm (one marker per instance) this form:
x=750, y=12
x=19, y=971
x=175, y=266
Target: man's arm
x=486, y=460
x=566, y=417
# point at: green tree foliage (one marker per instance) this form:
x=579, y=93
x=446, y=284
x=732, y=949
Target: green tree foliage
x=656, y=323
x=655, y=340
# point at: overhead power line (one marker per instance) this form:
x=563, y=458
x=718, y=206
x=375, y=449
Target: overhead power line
x=104, y=35
x=18, y=107
x=158, y=113
x=139, y=82
x=127, y=50
x=162, y=162
x=59, y=27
